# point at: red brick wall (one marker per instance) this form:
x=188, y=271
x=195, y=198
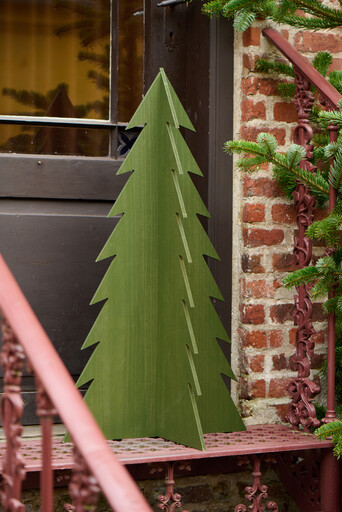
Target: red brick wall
x=263, y=329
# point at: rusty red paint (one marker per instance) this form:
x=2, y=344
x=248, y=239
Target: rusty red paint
x=327, y=91
x=302, y=390
x=257, y=492
x=256, y=439
x=171, y=499
x=329, y=97
x=46, y=412
x=13, y=361
x=83, y=487
x=331, y=413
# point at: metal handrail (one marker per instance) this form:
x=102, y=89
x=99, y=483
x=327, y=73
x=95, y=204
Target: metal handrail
x=329, y=93
x=114, y=480
x=329, y=97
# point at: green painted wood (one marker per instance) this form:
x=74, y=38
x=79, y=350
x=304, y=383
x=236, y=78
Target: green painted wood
x=156, y=369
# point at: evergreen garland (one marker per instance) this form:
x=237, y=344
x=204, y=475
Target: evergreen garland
x=285, y=11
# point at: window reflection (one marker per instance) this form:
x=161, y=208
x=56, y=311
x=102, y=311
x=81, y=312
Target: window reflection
x=56, y=55
x=130, y=76
x=51, y=47
x=53, y=140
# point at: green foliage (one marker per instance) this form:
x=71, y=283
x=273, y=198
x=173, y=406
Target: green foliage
x=322, y=61
x=335, y=78
x=243, y=20
x=285, y=11
x=286, y=90
x=286, y=169
x=275, y=67
x=327, y=229
x=334, y=430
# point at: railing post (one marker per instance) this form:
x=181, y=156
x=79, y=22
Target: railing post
x=12, y=360
x=330, y=481
x=331, y=413
x=46, y=412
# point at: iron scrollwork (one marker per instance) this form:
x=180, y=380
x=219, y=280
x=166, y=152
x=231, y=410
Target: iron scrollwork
x=257, y=492
x=302, y=390
x=12, y=358
x=83, y=487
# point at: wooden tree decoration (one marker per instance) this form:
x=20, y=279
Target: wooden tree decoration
x=156, y=370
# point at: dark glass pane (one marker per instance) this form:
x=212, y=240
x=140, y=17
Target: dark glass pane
x=55, y=58
x=51, y=140
x=131, y=31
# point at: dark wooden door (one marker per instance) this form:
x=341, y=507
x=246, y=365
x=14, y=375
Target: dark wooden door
x=53, y=208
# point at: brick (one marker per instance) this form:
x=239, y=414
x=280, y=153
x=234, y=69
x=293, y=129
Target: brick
x=285, y=112
x=251, y=133
x=284, y=262
x=257, y=237
x=251, y=37
x=318, y=338
x=252, y=263
x=252, y=389
x=256, y=363
x=252, y=314
x=336, y=64
x=276, y=339
x=255, y=339
x=305, y=42
x=285, y=33
x=284, y=213
x=281, y=313
x=282, y=410
x=253, y=213
x=259, y=289
x=249, y=61
x=318, y=315
x=316, y=361
x=321, y=213
x=268, y=87
x=261, y=187
x=251, y=110
x=278, y=387
x=265, y=86
x=249, y=86
x=257, y=389
x=293, y=336
x=280, y=362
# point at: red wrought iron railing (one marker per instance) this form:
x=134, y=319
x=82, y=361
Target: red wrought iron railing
x=95, y=466
x=302, y=390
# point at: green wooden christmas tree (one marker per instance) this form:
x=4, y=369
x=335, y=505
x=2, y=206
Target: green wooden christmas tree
x=156, y=370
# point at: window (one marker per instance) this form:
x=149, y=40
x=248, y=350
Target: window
x=69, y=87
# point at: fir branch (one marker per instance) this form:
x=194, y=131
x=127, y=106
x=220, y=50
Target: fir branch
x=335, y=175
x=317, y=8
x=243, y=20
x=327, y=229
x=335, y=78
x=301, y=276
x=322, y=61
x=331, y=116
x=274, y=67
x=285, y=170
x=286, y=90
